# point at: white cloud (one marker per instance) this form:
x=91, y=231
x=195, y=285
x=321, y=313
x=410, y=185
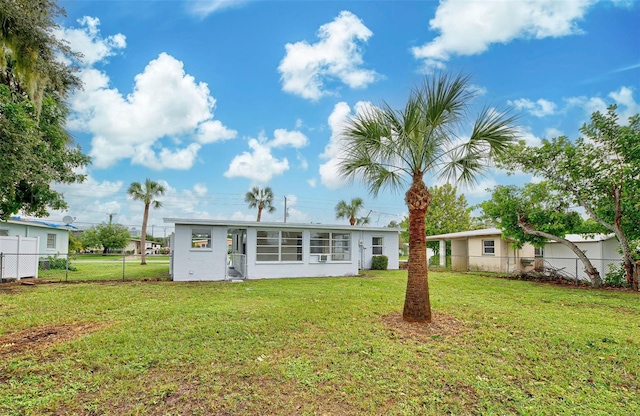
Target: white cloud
x=312, y=182
x=540, y=108
x=470, y=27
x=282, y=138
x=329, y=173
x=166, y=106
x=89, y=43
x=552, y=132
x=203, y=8
x=482, y=189
x=525, y=133
x=200, y=189
x=336, y=56
x=627, y=105
x=260, y=165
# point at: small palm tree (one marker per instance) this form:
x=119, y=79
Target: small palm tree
x=146, y=194
x=260, y=198
x=350, y=211
x=393, y=149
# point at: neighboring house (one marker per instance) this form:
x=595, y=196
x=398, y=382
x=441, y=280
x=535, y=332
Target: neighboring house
x=200, y=249
x=54, y=238
x=484, y=250
x=134, y=246
x=600, y=249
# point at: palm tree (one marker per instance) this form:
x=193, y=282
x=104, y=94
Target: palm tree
x=393, y=149
x=147, y=194
x=349, y=211
x=260, y=198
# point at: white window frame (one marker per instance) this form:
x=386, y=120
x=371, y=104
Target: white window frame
x=279, y=241
x=51, y=241
x=377, y=249
x=485, y=248
x=199, y=234
x=333, y=247
x=538, y=252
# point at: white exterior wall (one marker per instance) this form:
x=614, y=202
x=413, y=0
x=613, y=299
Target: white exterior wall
x=211, y=264
x=191, y=264
x=601, y=254
x=29, y=230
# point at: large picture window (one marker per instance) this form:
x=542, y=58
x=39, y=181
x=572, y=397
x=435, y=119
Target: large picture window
x=278, y=245
x=331, y=246
x=201, y=238
x=489, y=247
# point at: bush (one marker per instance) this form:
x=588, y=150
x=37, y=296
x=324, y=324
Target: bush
x=379, y=263
x=616, y=276
x=58, y=263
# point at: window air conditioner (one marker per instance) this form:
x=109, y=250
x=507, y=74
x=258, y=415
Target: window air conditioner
x=322, y=257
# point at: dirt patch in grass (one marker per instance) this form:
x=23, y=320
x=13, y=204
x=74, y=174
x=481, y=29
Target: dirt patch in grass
x=442, y=325
x=42, y=337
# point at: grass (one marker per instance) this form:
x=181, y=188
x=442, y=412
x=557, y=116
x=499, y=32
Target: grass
x=97, y=267
x=318, y=346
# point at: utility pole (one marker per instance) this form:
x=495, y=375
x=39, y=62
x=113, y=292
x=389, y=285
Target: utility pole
x=111, y=216
x=285, y=209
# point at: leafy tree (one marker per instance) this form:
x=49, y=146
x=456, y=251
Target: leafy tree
x=350, y=210
x=598, y=172
x=147, y=194
x=35, y=152
x=75, y=244
x=107, y=236
x=261, y=199
x=447, y=213
x=534, y=214
x=35, y=148
x=393, y=149
x=30, y=61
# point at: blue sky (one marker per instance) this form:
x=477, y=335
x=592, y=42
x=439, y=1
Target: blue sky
x=212, y=97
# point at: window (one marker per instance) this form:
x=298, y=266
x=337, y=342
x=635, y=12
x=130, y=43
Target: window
x=538, y=252
x=376, y=246
x=276, y=245
x=51, y=241
x=201, y=238
x=335, y=246
x=488, y=247
x=4, y=233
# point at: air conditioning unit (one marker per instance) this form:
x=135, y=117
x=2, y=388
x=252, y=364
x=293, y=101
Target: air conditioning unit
x=322, y=257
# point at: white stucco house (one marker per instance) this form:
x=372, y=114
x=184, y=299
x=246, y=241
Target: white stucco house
x=202, y=250
x=54, y=238
x=600, y=249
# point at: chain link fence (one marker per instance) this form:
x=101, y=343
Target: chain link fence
x=82, y=267
x=550, y=268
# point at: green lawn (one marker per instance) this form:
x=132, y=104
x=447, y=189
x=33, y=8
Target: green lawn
x=317, y=346
x=97, y=267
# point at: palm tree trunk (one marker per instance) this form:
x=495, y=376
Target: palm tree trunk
x=417, y=306
x=143, y=238
x=259, y=214
x=352, y=220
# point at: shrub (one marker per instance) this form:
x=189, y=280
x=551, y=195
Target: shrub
x=616, y=276
x=58, y=263
x=379, y=263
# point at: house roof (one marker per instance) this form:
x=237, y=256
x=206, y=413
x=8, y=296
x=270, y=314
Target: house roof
x=15, y=219
x=466, y=234
x=280, y=225
x=586, y=238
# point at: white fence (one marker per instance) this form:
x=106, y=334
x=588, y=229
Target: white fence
x=18, y=257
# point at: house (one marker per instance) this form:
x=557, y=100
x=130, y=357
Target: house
x=23, y=242
x=258, y=250
x=600, y=249
x=485, y=250
x=54, y=238
x=153, y=247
